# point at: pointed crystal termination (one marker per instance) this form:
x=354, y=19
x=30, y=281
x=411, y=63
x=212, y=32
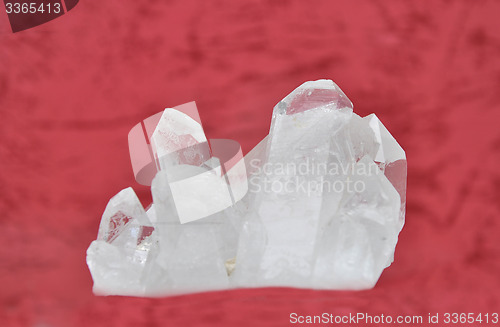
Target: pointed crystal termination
x=314, y=94
x=178, y=139
x=314, y=104
x=125, y=250
x=322, y=206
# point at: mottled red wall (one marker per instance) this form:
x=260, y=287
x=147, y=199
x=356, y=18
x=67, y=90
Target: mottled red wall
x=71, y=89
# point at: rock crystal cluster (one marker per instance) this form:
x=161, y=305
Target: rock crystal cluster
x=318, y=203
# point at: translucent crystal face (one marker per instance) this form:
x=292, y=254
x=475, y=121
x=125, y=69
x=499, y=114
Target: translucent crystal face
x=323, y=206
x=312, y=95
x=176, y=131
x=179, y=140
x=121, y=211
x=117, y=223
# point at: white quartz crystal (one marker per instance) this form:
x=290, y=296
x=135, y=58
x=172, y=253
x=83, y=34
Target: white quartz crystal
x=322, y=206
x=177, y=138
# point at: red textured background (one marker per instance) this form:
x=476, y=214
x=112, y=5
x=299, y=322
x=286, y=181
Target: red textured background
x=71, y=89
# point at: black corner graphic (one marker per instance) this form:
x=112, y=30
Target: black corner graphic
x=25, y=14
